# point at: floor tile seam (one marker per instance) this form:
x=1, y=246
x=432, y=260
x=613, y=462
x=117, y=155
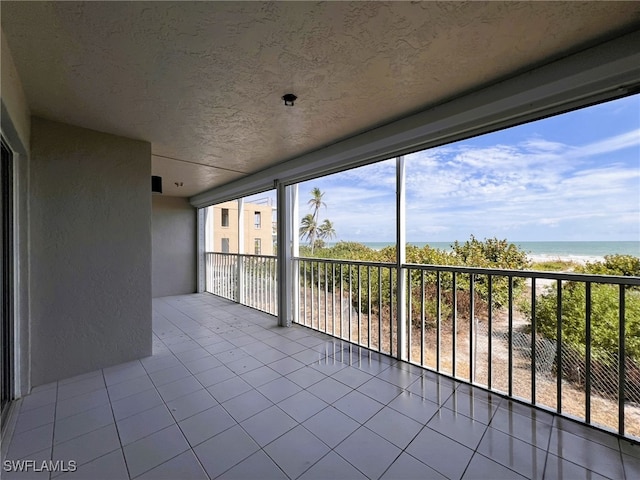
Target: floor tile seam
x=162, y=463
x=154, y=387
x=25, y=456
x=16, y=432
x=477, y=452
x=577, y=464
x=558, y=418
x=271, y=441
x=546, y=449
x=160, y=369
x=454, y=440
x=254, y=414
x=191, y=447
x=91, y=461
x=55, y=417
x=404, y=390
x=58, y=399
x=359, y=470
x=124, y=457
x=84, y=433
x=519, y=475
x=484, y=422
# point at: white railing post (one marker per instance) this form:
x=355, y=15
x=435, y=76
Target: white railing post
x=284, y=255
x=401, y=317
x=295, y=252
x=240, y=296
x=201, y=222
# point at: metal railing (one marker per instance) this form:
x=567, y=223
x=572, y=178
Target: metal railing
x=247, y=279
x=349, y=300
x=503, y=330
x=509, y=331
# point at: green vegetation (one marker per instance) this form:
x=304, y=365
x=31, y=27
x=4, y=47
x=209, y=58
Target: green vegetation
x=490, y=253
x=310, y=228
x=555, y=266
x=604, y=311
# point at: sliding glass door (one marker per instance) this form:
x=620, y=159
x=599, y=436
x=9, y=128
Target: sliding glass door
x=6, y=274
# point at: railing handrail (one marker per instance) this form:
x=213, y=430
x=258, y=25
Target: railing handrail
x=565, y=276
x=240, y=254
x=337, y=261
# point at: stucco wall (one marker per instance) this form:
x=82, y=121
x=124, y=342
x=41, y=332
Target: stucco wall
x=173, y=246
x=16, y=124
x=14, y=103
x=90, y=265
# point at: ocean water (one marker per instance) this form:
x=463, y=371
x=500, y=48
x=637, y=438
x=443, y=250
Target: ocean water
x=589, y=250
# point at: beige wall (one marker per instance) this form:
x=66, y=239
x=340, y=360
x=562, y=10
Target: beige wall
x=90, y=250
x=14, y=103
x=16, y=129
x=251, y=233
x=174, y=235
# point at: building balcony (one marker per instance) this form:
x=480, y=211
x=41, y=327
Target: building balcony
x=228, y=394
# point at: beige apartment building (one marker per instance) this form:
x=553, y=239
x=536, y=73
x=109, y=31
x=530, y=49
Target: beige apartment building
x=258, y=228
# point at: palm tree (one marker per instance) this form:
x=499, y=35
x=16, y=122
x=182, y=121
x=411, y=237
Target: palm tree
x=326, y=230
x=308, y=229
x=316, y=203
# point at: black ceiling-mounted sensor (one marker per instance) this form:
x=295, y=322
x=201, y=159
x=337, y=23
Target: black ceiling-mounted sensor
x=156, y=184
x=289, y=98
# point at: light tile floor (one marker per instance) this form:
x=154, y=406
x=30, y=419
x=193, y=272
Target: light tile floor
x=228, y=394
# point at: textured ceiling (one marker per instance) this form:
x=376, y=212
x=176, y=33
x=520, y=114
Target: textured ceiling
x=202, y=81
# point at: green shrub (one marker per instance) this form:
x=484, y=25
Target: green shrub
x=604, y=311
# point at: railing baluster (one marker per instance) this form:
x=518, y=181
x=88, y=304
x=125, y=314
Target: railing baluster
x=350, y=299
x=359, y=308
x=621, y=361
x=587, y=334
x=490, y=335
x=304, y=291
x=391, y=311
x=534, y=326
x=379, y=309
x=333, y=299
x=341, y=303
x=454, y=325
x=409, y=316
x=510, y=335
x=472, y=361
x=422, y=318
x=438, y=319
x=559, y=348
x=326, y=294
x=369, y=306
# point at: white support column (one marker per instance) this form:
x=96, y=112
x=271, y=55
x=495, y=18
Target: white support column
x=240, y=264
x=401, y=248
x=295, y=251
x=284, y=255
x=201, y=225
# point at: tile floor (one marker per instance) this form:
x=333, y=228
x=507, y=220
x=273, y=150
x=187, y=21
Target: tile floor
x=228, y=394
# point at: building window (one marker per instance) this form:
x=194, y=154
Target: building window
x=257, y=220
x=225, y=217
x=225, y=245
x=257, y=245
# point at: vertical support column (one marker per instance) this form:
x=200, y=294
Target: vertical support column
x=240, y=262
x=284, y=256
x=400, y=260
x=201, y=222
x=295, y=251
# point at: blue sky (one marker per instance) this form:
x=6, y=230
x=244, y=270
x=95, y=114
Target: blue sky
x=570, y=177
